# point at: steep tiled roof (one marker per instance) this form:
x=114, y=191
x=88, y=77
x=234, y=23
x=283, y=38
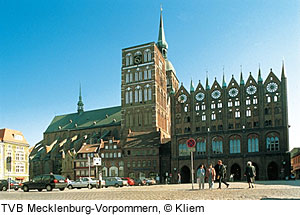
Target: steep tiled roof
x=142, y=140
x=87, y=119
x=12, y=136
x=89, y=148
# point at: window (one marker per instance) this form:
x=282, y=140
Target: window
x=201, y=146
x=237, y=103
x=136, y=76
x=220, y=105
x=20, y=168
x=213, y=116
x=235, y=144
x=119, y=154
x=272, y=142
x=255, y=101
x=183, y=149
x=217, y=145
x=268, y=99
x=127, y=78
x=128, y=60
x=197, y=108
x=248, y=113
x=275, y=98
x=203, y=117
x=213, y=106
x=253, y=143
x=230, y=104
x=237, y=114
x=248, y=102
x=203, y=107
x=147, y=55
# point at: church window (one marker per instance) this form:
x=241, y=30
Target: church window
x=126, y=97
x=129, y=60
x=145, y=74
x=235, y=144
x=248, y=102
x=115, y=154
x=136, y=95
x=149, y=74
x=139, y=164
x=140, y=95
x=203, y=117
x=248, y=113
x=145, y=94
x=102, y=155
x=119, y=154
x=220, y=105
x=127, y=77
x=186, y=109
x=136, y=76
x=133, y=163
x=201, y=146
x=275, y=98
x=149, y=94
x=230, y=104
x=255, y=101
x=237, y=103
x=147, y=55
x=268, y=99
x=272, y=142
x=140, y=76
x=217, y=145
x=197, y=108
x=110, y=155
x=203, y=107
x=237, y=114
x=213, y=116
x=213, y=106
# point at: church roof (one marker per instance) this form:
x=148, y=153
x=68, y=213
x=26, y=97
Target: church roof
x=142, y=140
x=87, y=119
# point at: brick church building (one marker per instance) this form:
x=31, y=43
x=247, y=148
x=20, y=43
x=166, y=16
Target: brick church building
x=236, y=122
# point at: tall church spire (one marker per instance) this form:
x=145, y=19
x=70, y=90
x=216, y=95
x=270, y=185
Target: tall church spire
x=260, y=80
x=162, y=43
x=282, y=70
x=80, y=103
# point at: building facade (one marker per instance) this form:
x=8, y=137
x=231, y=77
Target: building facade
x=13, y=147
x=295, y=162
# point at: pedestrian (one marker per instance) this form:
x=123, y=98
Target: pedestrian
x=211, y=176
x=201, y=177
x=221, y=174
x=250, y=173
x=179, y=178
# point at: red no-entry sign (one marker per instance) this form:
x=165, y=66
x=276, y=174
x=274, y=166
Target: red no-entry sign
x=191, y=142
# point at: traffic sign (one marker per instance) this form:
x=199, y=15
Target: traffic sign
x=97, y=161
x=191, y=142
x=192, y=149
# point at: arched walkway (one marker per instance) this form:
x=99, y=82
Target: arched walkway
x=185, y=173
x=272, y=171
x=235, y=171
x=256, y=170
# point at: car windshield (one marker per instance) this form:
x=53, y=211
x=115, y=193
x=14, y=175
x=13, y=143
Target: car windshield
x=59, y=177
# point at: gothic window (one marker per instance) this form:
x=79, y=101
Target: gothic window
x=149, y=94
x=129, y=60
x=203, y=117
x=237, y=103
x=186, y=108
x=230, y=104
x=145, y=94
x=149, y=74
x=248, y=113
x=220, y=105
x=213, y=116
x=213, y=106
x=183, y=149
x=131, y=77
x=127, y=78
x=147, y=55
x=237, y=114
x=268, y=99
x=272, y=142
x=235, y=144
x=255, y=101
x=275, y=98
x=203, y=107
x=253, y=143
x=197, y=108
x=217, y=145
x=140, y=95
x=140, y=76
x=248, y=102
x=136, y=95
x=136, y=76
x=201, y=146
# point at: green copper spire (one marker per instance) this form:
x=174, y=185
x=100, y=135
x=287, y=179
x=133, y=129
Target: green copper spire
x=192, y=86
x=207, y=85
x=242, y=82
x=162, y=43
x=223, y=82
x=80, y=103
x=260, y=80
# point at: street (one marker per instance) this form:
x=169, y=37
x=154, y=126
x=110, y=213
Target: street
x=236, y=191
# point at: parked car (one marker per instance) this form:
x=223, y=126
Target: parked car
x=125, y=182
x=129, y=180
x=46, y=181
x=14, y=185
x=292, y=177
x=149, y=181
x=3, y=185
x=85, y=183
x=113, y=181
x=139, y=182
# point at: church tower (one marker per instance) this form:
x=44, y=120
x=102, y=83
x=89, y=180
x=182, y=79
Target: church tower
x=144, y=93
x=80, y=103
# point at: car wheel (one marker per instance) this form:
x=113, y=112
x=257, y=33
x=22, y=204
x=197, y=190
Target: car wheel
x=116, y=185
x=62, y=189
x=48, y=187
x=70, y=187
x=106, y=186
x=90, y=186
x=140, y=184
x=147, y=184
x=40, y=190
x=25, y=188
x=4, y=188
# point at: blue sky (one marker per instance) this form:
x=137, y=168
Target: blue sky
x=48, y=47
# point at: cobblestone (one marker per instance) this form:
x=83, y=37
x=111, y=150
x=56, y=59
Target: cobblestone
x=236, y=190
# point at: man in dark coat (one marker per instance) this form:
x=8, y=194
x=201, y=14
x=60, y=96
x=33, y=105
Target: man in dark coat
x=221, y=174
x=250, y=173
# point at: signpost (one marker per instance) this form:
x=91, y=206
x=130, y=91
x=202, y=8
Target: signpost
x=97, y=161
x=191, y=143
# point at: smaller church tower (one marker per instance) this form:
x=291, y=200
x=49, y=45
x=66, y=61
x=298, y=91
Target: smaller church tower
x=80, y=103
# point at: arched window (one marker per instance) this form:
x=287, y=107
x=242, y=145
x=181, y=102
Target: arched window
x=138, y=94
x=272, y=142
x=128, y=95
x=235, y=144
x=129, y=59
x=147, y=55
x=217, y=145
x=253, y=143
x=201, y=146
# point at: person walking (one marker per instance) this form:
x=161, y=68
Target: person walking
x=201, y=177
x=250, y=173
x=179, y=178
x=221, y=174
x=211, y=176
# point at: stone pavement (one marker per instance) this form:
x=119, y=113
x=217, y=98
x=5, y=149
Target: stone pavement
x=237, y=190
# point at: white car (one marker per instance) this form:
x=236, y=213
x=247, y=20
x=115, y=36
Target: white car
x=85, y=183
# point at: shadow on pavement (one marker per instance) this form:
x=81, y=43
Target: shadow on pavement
x=280, y=182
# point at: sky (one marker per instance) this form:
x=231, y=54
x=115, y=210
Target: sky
x=49, y=47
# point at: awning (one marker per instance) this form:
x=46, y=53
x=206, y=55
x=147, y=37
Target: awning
x=19, y=178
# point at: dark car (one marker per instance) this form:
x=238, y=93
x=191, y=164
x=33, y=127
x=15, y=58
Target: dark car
x=47, y=181
x=3, y=185
x=139, y=182
x=113, y=181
